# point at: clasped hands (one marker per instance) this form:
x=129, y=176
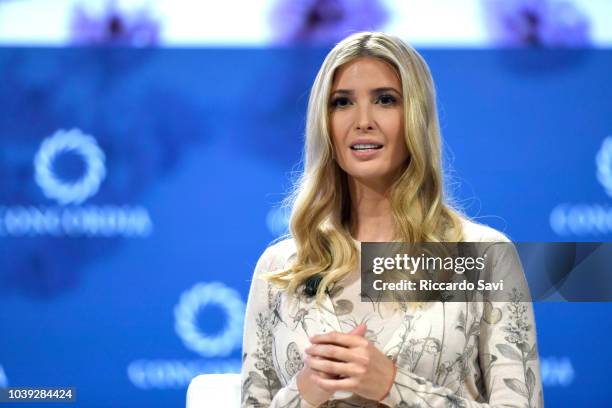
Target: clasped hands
x=344, y=362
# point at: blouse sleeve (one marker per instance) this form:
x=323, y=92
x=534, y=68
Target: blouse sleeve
x=508, y=354
x=261, y=385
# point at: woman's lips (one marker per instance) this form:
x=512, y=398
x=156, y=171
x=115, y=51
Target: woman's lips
x=366, y=153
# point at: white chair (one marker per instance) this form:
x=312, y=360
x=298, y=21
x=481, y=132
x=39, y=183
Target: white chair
x=215, y=391
x=223, y=391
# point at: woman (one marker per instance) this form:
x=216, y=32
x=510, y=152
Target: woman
x=372, y=172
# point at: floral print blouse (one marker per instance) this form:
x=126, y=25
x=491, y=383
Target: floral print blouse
x=448, y=354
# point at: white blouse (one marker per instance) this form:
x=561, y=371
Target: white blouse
x=447, y=354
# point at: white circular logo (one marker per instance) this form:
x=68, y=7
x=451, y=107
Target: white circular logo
x=277, y=221
x=185, y=315
x=69, y=192
x=604, y=165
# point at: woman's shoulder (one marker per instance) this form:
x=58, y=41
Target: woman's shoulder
x=282, y=248
x=277, y=254
x=476, y=232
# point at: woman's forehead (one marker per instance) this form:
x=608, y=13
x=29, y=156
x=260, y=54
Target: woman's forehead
x=364, y=72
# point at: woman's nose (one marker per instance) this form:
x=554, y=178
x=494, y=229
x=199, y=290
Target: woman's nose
x=364, y=119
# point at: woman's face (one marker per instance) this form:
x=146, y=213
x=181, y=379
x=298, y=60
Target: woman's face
x=367, y=120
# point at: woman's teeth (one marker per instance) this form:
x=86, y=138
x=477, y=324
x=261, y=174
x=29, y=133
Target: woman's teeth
x=363, y=146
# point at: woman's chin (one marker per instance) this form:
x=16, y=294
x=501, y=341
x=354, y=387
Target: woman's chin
x=372, y=178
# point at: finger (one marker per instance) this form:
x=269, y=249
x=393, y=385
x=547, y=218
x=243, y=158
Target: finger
x=331, y=367
x=360, y=330
x=321, y=374
x=331, y=385
x=330, y=352
x=341, y=339
x=307, y=362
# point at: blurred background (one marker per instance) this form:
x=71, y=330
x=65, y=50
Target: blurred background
x=146, y=146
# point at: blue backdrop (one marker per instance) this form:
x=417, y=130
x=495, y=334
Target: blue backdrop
x=139, y=188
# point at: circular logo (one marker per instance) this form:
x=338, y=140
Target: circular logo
x=277, y=221
x=69, y=192
x=185, y=315
x=604, y=165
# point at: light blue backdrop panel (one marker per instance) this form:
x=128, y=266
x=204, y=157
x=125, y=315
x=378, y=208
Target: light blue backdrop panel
x=135, y=281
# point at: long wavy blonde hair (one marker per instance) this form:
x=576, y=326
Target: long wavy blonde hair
x=320, y=202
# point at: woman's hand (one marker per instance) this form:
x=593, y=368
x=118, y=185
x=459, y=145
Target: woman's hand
x=353, y=363
x=308, y=387
x=308, y=378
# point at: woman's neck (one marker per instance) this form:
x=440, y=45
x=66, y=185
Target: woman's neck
x=371, y=213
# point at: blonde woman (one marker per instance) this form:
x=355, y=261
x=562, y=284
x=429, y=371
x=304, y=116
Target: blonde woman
x=372, y=172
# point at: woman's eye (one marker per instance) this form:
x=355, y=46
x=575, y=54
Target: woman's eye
x=340, y=102
x=386, y=100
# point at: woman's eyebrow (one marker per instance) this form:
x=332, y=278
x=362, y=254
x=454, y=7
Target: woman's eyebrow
x=375, y=91
x=343, y=92
x=384, y=89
